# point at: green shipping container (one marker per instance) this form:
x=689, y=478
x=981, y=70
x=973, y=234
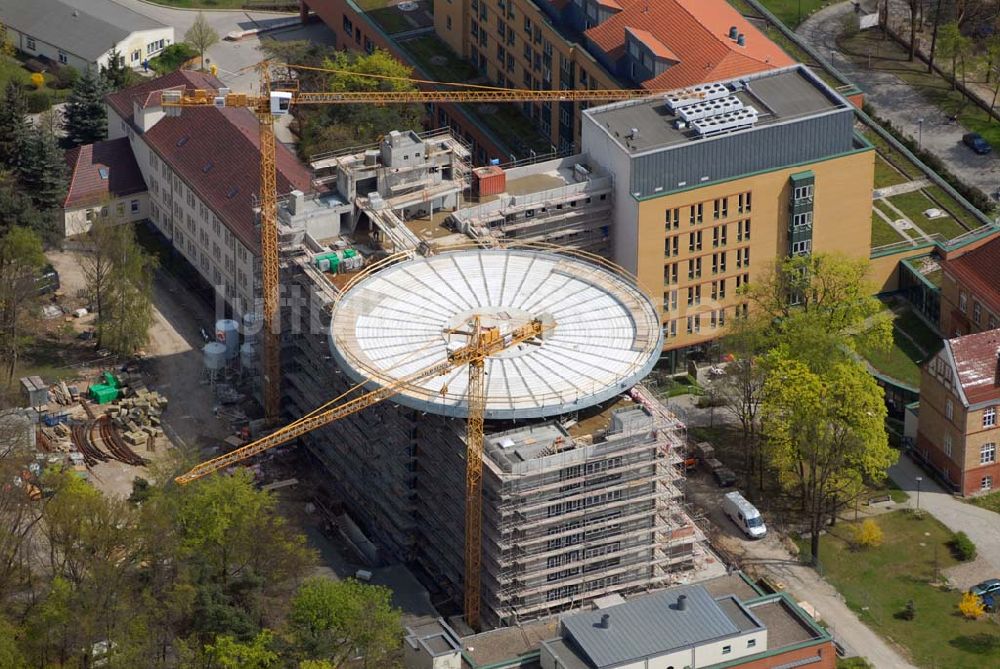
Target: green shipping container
x=103, y=394
x=111, y=380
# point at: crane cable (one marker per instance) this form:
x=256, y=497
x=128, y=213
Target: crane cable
x=405, y=79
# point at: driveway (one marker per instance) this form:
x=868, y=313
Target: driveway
x=982, y=526
x=769, y=555
x=233, y=57
x=896, y=101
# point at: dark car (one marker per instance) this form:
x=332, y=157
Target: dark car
x=724, y=476
x=987, y=587
x=48, y=280
x=975, y=141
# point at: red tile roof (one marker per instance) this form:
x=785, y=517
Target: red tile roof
x=100, y=171
x=658, y=48
x=976, y=365
x=697, y=32
x=979, y=272
x=216, y=152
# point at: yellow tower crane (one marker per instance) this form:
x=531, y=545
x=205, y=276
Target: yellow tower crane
x=482, y=341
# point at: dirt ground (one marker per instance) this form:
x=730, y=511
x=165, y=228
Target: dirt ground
x=173, y=361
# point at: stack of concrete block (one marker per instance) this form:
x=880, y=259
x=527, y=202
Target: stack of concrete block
x=138, y=417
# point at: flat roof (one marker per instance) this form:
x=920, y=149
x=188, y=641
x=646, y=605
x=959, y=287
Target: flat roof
x=654, y=625
x=602, y=331
x=779, y=96
x=785, y=626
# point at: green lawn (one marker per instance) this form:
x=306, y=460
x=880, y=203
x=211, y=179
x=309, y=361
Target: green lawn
x=990, y=501
x=883, y=233
x=389, y=18
x=202, y=4
x=11, y=69
x=877, y=583
x=793, y=12
x=914, y=204
x=912, y=343
x=960, y=213
x=438, y=60
x=886, y=174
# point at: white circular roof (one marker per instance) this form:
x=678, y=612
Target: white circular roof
x=602, y=333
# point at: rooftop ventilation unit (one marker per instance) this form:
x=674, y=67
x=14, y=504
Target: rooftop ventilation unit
x=702, y=93
x=734, y=120
x=710, y=108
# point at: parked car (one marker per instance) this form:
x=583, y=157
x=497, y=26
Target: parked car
x=975, y=141
x=744, y=514
x=987, y=587
x=724, y=476
x=48, y=280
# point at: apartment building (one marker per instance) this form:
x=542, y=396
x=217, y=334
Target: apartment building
x=970, y=291
x=715, y=183
x=579, y=44
x=957, y=429
x=104, y=184
x=202, y=172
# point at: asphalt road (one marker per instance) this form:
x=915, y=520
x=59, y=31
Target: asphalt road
x=235, y=60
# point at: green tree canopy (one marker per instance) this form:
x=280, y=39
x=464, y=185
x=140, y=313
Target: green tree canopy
x=334, y=620
x=14, y=125
x=42, y=168
x=86, y=117
x=21, y=258
x=116, y=75
x=825, y=433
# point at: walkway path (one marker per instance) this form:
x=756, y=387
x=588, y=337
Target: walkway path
x=904, y=217
x=896, y=101
x=899, y=189
x=982, y=525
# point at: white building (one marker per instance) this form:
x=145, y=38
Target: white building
x=82, y=33
x=202, y=171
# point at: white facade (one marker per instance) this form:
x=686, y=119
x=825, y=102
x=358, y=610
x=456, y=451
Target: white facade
x=187, y=221
x=134, y=49
x=126, y=209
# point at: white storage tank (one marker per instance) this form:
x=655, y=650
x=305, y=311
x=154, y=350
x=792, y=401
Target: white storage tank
x=215, y=356
x=227, y=332
x=248, y=356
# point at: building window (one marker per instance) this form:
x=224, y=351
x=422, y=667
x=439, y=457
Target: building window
x=348, y=25
x=802, y=220
x=447, y=22
x=30, y=42
x=697, y=212
x=986, y=483
x=694, y=268
x=694, y=324
x=720, y=208
x=719, y=236
x=990, y=417
x=672, y=218
x=977, y=312
x=694, y=241
x=963, y=302
x=63, y=58
x=803, y=192
x=751, y=643
x=801, y=248
x=670, y=246
x=988, y=453
x=949, y=409
x=991, y=322
x=946, y=444
x=726, y=650
x=743, y=230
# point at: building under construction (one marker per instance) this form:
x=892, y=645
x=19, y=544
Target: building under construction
x=580, y=494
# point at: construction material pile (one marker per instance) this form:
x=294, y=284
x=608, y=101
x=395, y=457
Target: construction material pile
x=138, y=417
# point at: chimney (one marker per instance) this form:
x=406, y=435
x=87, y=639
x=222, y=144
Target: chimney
x=682, y=603
x=733, y=32
x=605, y=621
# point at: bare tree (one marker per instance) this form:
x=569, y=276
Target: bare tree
x=201, y=36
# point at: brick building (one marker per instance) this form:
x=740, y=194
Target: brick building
x=970, y=291
x=957, y=432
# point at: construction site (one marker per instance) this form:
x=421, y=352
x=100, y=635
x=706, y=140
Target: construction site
x=580, y=465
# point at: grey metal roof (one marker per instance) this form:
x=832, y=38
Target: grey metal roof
x=649, y=626
x=85, y=28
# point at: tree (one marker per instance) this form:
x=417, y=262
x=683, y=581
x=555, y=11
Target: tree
x=334, y=126
x=21, y=258
x=821, y=308
x=17, y=209
x=86, y=118
x=228, y=653
x=116, y=75
x=336, y=620
x=953, y=45
x=742, y=389
x=201, y=36
x=913, y=27
x=14, y=125
x=118, y=273
x=825, y=434
x=42, y=169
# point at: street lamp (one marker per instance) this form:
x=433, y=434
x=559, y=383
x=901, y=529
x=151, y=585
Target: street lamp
x=920, y=133
x=919, y=479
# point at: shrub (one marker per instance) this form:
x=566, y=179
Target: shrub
x=172, y=58
x=909, y=612
x=972, y=606
x=37, y=79
x=66, y=76
x=963, y=547
x=38, y=101
x=868, y=534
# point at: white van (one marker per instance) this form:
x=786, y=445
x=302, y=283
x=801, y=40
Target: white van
x=744, y=514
